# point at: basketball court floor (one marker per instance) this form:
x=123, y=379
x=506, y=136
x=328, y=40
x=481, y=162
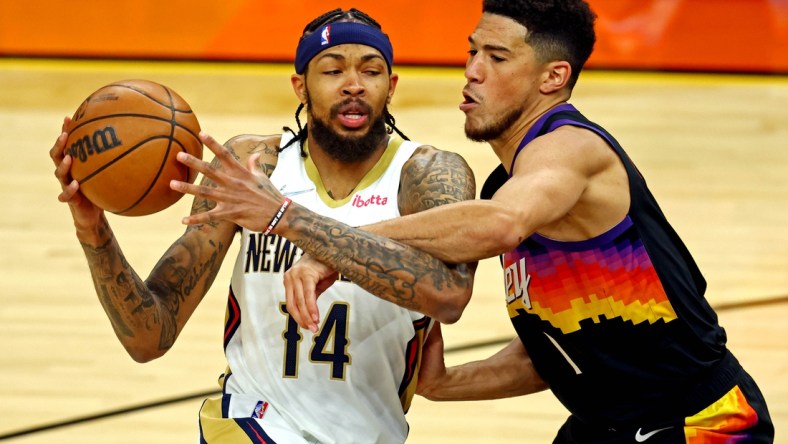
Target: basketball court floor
x=714, y=150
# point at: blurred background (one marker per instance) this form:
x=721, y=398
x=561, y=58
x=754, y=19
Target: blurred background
x=696, y=91
x=710, y=35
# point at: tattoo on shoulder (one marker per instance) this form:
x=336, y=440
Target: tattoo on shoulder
x=268, y=150
x=433, y=177
x=264, y=147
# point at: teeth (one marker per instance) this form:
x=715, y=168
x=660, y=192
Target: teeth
x=353, y=116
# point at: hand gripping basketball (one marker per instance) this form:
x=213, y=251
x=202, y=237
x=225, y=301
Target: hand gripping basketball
x=123, y=140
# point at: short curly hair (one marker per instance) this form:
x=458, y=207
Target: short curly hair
x=556, y=29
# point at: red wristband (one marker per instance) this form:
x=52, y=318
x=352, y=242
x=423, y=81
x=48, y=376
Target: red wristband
x=278, y=216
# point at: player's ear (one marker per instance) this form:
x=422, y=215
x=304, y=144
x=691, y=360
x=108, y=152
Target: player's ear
x=556, y=76
x=393, y=79
x=299, y=86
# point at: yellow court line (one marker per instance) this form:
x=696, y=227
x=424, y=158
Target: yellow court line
x=265, y=68
x=699, y=78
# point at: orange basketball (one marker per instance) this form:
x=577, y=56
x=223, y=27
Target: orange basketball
x=123, y=140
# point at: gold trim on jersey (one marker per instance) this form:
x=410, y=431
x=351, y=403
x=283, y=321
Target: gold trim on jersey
x=216, y=428
x=372, y=175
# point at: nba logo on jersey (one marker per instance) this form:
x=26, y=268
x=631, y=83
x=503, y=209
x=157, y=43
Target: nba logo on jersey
x=325, y=35
x=259, y=409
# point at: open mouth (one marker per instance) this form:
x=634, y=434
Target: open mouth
x=353, y=114
x=468, y=101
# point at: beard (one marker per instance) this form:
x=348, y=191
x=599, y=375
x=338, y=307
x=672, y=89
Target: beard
x=351, y=148
x=495, y=129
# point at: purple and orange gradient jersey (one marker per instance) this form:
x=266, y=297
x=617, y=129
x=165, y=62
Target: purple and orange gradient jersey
x=618, y=324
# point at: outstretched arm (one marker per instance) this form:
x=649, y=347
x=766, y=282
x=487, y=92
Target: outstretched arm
x=388, y=269
x=505, y=374
x=568, y=184
x=407, y=277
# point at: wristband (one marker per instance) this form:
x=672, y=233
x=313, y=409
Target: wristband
x=278, y=216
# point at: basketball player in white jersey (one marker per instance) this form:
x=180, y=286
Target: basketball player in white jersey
x=608, y=304
x=350, y=379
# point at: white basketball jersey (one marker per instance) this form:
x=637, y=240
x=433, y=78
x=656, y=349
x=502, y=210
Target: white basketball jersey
x=353, y=380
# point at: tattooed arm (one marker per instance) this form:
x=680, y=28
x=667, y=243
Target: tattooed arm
x=147, y=316
x=389, y=269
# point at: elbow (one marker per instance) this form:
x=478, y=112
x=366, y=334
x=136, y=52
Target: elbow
x=430, y=397
x=143, y=354
x=452, y=307
x=448, y=316
x=509, y=232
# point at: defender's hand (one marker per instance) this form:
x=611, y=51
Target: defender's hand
x=304, y=283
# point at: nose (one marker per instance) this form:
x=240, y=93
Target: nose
x=473, y=70
x=353, y=86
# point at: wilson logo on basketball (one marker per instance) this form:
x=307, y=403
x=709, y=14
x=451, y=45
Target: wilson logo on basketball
x=360, y=202
x=100, y=141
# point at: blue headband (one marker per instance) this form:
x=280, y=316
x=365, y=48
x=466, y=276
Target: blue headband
x=341, y=33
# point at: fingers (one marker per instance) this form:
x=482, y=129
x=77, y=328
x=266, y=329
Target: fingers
x=299, y=289
x=211, y=143
x=308, y=302
x=69, y=186
x=206, y=192
x=199, y=165
x=251, y=163
x=296, y=306
x=200, y=218
x=62, y=165
x=223, y=154
x=69, y=190
x=56, y=152
x=226, y=156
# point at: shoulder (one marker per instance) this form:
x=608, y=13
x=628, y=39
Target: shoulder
x=245, y=145
x=568, y=146
x=267, y=146
x=432, y=177
x=429, y=157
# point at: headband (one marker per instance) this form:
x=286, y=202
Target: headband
x=339, y=34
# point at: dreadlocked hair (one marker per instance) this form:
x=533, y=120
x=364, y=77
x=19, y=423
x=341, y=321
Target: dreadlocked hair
x=335, y=16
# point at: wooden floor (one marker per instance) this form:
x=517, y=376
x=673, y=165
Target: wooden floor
x=713, y=148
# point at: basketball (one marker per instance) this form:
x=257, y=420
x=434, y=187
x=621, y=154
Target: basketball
x=123, y=140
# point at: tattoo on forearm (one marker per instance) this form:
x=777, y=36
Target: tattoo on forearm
x=202, y=205
x=384, y=267
x=108, y=286
x=99, y=258
x=389, y=270
x=115, y=317
x=131, y=305
x=181, y=274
